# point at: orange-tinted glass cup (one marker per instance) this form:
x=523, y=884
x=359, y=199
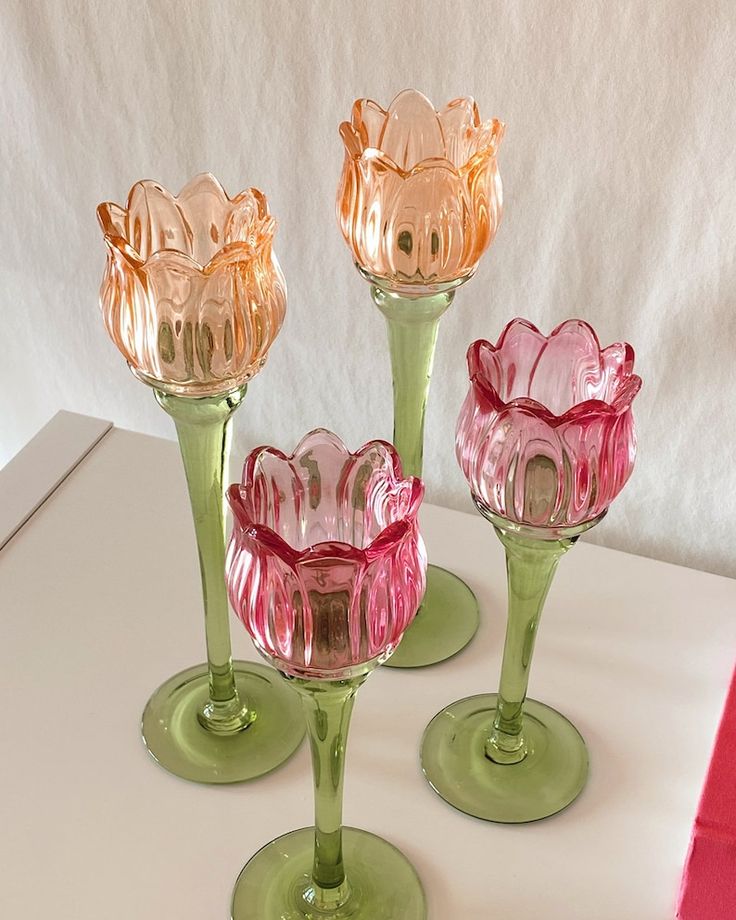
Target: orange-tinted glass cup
x=420, y=195
x=193, y=295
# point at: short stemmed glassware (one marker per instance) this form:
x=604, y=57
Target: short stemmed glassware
x=193, y=297
x=419, y=202
x=326, y=569
x=546, y=441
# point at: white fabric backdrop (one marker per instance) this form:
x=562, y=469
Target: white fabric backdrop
x=620, y=207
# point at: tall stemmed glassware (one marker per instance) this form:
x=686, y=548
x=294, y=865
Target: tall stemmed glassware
x=326, y=569
x=546, y=441
x=193, y=297
x=419, y=202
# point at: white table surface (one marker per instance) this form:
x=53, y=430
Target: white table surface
x=101, y=602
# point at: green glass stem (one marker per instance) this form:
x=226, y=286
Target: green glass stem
x=412, y=333
x=448, y=616
x=500, y=756
x=328, y=706
x=532, y=555
x=530, y=567
x=203, y=427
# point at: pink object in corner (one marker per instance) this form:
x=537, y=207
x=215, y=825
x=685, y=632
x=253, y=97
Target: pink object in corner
x=326, y=566
x=708, y=890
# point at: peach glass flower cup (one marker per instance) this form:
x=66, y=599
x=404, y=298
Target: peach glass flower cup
x=420, y=196
x=546, y=441
x=419, y=202
x=193, y=295
x=326, y=569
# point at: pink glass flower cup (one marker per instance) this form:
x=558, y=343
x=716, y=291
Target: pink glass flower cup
x=326, y=569
x=193, y=295
x=546, y=434
x=420, y=196
x=326, y=566
x=546, y=441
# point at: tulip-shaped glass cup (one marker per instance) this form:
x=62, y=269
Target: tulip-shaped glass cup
x=419, y=202
x=546, y=441
x=193, y=297
x=326, y=569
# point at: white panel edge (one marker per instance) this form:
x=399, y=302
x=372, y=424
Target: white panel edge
x=40, y=467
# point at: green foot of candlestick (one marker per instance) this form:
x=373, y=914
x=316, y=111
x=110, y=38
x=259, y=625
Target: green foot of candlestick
x=550, y=776
x=175, y=717
x=276, y=884
x=445, y=624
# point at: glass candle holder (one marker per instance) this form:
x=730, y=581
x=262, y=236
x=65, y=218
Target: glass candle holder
x=326, y=569
x=193, y=297
x=419, y=202
x=546, y=441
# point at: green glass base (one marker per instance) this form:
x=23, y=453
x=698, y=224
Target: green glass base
x=551, y=775
x=180, y=744
x=445, y=624
x=276, y=881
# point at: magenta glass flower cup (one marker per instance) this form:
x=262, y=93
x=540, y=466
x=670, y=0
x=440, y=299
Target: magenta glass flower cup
x=326, y=569
x=546, y=441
